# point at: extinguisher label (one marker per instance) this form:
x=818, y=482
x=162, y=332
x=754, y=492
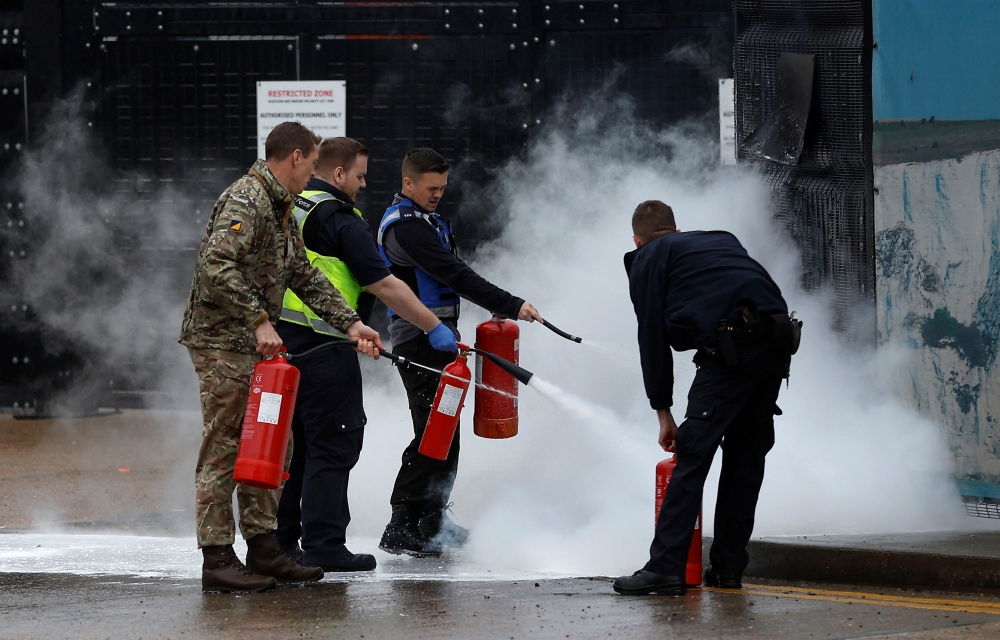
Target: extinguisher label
x=479, y=369
x=450, y=400
x=517, y=344
x=270, y=408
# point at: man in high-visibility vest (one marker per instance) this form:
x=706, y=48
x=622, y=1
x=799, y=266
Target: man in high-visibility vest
x=329, y=420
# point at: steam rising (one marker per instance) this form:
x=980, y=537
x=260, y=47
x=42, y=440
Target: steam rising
x=101, y=274
x=573, y=492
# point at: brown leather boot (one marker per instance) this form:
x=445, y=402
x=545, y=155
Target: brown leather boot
x=264, y=556
x=222, y=572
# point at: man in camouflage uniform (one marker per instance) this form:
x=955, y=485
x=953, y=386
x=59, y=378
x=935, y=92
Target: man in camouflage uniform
x=250, y=254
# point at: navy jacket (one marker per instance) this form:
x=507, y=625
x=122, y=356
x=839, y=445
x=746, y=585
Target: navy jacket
x=414, y=243
x=682, y=285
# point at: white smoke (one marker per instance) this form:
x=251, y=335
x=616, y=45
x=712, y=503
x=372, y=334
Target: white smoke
x=573, y=492
x=100, y=273
x=100, y=276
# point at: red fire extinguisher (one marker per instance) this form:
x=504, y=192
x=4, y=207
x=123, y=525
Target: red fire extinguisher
x=693, y=573
x=447, y=408
x=496, y=406
x=260, y=459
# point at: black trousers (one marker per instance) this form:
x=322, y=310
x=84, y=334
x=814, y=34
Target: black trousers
x=734, y=407
x=328, y=431
x=423, y=483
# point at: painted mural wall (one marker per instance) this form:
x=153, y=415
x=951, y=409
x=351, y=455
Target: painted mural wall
x=936, y=111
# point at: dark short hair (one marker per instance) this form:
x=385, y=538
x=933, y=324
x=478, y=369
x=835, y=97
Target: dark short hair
x=285, y=138
x=338, y=152
x=423, y=160
x=651, y=219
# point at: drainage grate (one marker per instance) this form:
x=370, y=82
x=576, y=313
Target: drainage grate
x=982, y=507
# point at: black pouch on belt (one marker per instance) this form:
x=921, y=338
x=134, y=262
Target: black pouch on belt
x=785, y=330
x=727, y=345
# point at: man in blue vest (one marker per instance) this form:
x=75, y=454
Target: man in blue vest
x=419, y=248
x=329, y=420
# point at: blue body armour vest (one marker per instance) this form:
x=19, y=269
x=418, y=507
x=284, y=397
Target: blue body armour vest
x=435, y=295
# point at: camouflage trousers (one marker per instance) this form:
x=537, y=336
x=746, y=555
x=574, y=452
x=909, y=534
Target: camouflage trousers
x=224, y=382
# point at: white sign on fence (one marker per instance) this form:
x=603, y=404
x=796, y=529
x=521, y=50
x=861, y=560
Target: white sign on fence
x=727, y=122
x=320, y=105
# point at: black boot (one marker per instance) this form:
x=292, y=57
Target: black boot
x=713, y=578
x=644, y=582
x=437, y=526
x=403, y=535
x=222, y=572
x=264, y=556
x=345, y=561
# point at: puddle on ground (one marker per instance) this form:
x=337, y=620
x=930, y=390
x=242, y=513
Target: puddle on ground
x=162, y=557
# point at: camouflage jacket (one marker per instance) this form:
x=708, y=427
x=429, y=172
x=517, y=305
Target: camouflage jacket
x=250, y=254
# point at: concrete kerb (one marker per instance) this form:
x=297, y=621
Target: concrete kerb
x=847, y=564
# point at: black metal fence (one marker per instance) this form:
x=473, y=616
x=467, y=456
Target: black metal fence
x=171, y=86
x=826, y=199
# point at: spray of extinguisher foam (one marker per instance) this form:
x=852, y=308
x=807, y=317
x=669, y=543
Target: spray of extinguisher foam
x=693, y=572
x=447, y=407
x=260, y=459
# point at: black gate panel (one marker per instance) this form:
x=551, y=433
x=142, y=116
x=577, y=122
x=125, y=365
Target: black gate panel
x=826, y=199
x=185, y=110
x=462, y=96
x=173, y=90
x=638, y=64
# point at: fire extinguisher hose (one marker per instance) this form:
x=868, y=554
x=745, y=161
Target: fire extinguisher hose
x=520, y=374
x=399, y=360
x=559, y=332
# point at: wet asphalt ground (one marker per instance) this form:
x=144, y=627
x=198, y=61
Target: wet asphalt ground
x=80, y=502
x=71, y=606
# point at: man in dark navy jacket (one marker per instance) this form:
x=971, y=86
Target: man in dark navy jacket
x=701, y=290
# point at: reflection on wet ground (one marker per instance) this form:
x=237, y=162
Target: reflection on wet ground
x=174, y=557
x=101, y=585
x=73, y=606
x=106, y=606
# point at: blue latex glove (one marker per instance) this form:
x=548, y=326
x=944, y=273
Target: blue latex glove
x=442, y=338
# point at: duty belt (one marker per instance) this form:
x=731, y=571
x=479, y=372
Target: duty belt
x=780, y=330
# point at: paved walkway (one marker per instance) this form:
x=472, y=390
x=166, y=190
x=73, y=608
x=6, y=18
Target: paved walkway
x=59, y=605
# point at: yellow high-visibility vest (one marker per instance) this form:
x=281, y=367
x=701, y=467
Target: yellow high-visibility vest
x=336, y=271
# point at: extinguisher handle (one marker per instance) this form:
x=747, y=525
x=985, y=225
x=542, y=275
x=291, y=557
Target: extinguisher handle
x=559, y=332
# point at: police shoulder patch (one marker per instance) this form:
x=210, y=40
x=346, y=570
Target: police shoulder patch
x=303, y=203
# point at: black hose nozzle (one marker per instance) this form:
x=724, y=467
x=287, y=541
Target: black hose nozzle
x=521, y=374
x=400, y=361
x=559, y=332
